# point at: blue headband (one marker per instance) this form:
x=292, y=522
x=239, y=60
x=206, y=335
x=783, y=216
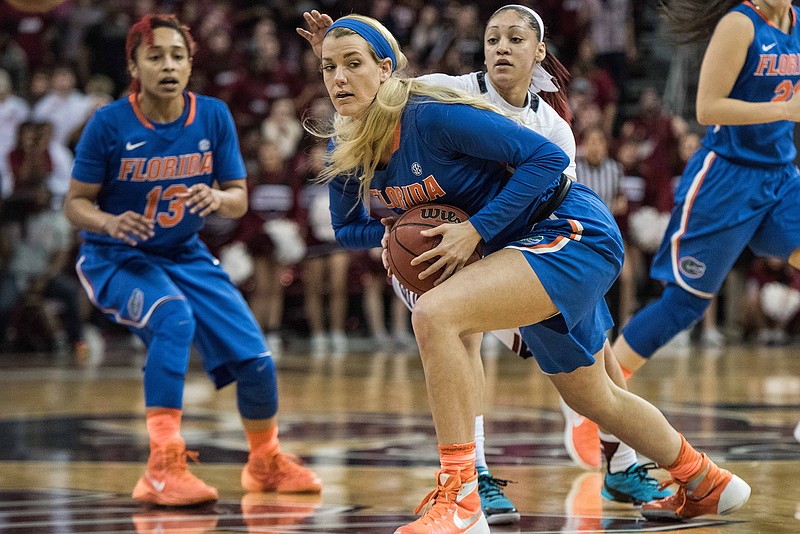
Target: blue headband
x=375, y=38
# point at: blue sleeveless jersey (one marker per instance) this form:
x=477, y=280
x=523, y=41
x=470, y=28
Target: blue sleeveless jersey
x=771, y=73
x=143, y=166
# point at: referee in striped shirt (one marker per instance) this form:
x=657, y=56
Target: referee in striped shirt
x=599, y=172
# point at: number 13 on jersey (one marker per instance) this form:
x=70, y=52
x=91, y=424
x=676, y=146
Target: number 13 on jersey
x=175, y=209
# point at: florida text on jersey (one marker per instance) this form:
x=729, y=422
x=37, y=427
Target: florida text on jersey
x=145, y=167
x=771, y=73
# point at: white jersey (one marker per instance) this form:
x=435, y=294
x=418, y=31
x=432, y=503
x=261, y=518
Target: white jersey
x=537, y=114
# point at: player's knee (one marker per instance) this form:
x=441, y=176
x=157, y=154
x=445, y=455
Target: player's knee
x=658, y=323
x=433, y=316
x=426, y=316
x=256, y=388
x=173, y=320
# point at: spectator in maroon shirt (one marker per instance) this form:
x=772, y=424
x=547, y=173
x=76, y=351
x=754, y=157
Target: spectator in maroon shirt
x=327, y=265
x=218, y=64
x=568, y=21
x=34, y=32
x=265, y=78
x=592, y=84
x=657, y=136
x=30, y=160
x=273, y=197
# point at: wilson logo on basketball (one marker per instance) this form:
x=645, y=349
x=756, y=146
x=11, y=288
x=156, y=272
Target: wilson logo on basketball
x=440, y=215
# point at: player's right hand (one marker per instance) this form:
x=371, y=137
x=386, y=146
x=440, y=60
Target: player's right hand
x=130, y=227
x=318, y=24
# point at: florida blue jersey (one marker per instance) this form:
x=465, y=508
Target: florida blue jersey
x=144, y=166
x=459, y=155
x=771, y=73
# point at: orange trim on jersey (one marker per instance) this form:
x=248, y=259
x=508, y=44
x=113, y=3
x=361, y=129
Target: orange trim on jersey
x=687, y=209
x=396, y=138
x=552, y=246
x=575, y=228
x=675, y=239
x=133, y=99
x=752, y=6
x=553, y=243
x=192, y=109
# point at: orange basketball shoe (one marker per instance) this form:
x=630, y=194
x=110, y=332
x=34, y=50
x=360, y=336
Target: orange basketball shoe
x=720, y=492
x=167, y=480
x=278, y=472
x=454, y=507
x=582, y=439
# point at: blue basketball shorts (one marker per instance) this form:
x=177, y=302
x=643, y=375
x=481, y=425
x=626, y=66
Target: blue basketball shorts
x=577, y=254
x=721, y=207
x=127, y=285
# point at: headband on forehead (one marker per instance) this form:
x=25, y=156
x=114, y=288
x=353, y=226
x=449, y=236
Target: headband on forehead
x=372, y=36
x=541, y=80
x=528, y=10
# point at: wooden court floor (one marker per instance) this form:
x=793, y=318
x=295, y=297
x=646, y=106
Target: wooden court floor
x=73, y=443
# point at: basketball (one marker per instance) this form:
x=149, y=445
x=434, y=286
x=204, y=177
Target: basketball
x=406, y=243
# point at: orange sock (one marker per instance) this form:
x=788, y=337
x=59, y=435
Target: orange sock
x=162, y=425
x=687, y=465
x=266, y=438
x=458, y=456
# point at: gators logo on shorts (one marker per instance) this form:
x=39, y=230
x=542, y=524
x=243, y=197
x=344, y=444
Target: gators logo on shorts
x=530, y=241
x=692, y=267
x=136, y=304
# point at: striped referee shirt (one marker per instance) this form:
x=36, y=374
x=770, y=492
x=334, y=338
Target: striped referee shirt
x=603, y=179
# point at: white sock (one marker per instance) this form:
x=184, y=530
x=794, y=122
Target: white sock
x=480, y=453
x=623, y=457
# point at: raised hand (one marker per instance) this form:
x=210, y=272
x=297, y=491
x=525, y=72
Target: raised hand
x=317, y=23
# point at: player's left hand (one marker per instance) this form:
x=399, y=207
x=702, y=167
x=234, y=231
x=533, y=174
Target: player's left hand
x=457, y=245
x=202, y=199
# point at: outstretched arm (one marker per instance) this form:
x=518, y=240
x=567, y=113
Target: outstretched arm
x=317, y=23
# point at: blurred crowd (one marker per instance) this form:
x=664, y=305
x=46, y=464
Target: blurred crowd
x=58, y=67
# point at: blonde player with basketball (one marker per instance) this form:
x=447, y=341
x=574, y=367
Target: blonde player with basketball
x=518, y=80
x=552, y=251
